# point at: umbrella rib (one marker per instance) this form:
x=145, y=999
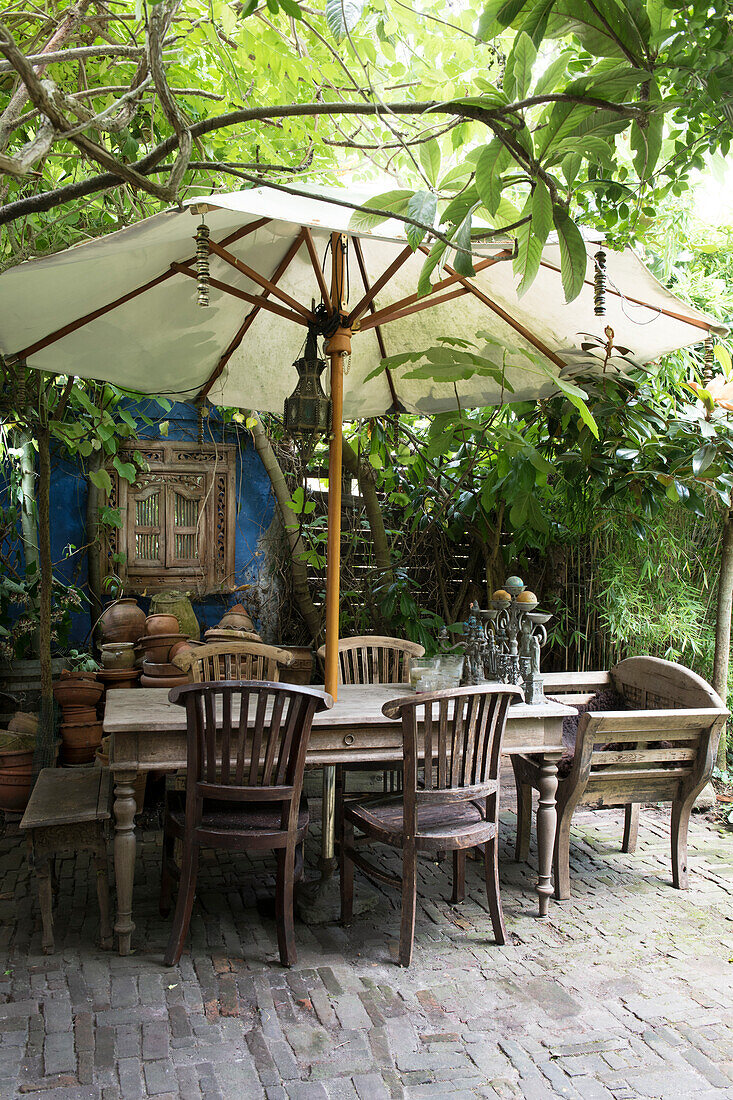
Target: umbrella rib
x=375, y=288
x=266, y=284
x=65, y=330
x=638, y=302
x=227, y=288
x=246, y=324
x=377, y=330
x=394, y=313
x=516, y=325
x=310, y=245
x=388, y=313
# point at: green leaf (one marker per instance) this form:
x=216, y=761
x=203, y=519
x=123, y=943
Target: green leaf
x=518, y=70
x=422, y=206
x=526, y=263
x=342, y=16
x=395, y=201
x=429, y=154
x=101, y=479
x=291, y=8
x=125, y=469
x=462, y=237
x=573, y=256
x=577, y=397
x=493, y=159
x=549, y=80
x=702, y=458
x=434, y=257
x=541, y=211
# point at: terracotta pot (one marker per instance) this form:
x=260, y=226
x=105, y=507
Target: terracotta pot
x=119, y=677
x=164, y=668
x=16, y=760
x=77, y=674
x=118, y=655
x=236, y=618
x=157, y=647
x=178, y=604
x=179, y=647
x=161, y=624
x=69, y=757
x=163, y=681
x=15, y=789
x=78, y=716
x=77, y=693
x=122, y=621
x=222, y=634
x=84, y=736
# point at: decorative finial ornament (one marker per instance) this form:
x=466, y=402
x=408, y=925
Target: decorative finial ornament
x=599, y=284
x=708, y=360
x=202, y=263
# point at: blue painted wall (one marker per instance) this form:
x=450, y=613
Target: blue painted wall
x=253, y=509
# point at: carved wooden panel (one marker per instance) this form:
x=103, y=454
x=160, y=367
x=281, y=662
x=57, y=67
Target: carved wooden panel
x=177, y=519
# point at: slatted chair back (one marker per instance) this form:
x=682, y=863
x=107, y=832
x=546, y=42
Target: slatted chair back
x=375, y=660
x=459, y=733
x=246, y=742
x=233, y=661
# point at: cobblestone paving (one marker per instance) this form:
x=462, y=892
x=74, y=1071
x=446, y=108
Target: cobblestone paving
x=624, y=992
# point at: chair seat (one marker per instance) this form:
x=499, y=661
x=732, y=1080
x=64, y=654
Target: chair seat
x=258, y=817
x=439, y=827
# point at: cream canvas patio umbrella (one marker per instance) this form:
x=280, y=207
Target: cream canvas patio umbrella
x=124, y=309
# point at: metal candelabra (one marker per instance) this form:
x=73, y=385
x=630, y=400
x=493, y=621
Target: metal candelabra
x=503, y=644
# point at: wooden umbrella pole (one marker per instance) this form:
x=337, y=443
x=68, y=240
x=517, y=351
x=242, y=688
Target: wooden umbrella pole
x=337, y=346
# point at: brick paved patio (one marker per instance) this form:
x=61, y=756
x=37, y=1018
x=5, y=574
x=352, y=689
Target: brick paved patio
x=624, y=992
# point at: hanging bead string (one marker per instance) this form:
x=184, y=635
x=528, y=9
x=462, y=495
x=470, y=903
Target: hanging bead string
x=202, y=263
x=599, y=291
x=200, y=411
x=708, y=360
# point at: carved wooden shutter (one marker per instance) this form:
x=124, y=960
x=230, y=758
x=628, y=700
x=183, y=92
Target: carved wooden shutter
x=185, y=527
x=146, y=525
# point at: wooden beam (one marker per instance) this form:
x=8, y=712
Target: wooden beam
x=377, y=330
x=394, y=313
x=262, y=302
x=246, y=324
x=387, y=314
x=310, y=245
x=59, y=333
x=255, y=276
x=383, y=279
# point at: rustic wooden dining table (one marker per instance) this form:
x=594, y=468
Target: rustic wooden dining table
x=149, y=733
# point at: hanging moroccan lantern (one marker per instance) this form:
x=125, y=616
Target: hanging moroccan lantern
x=308, y=410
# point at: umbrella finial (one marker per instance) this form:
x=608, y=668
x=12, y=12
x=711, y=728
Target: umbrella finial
x=202, y=262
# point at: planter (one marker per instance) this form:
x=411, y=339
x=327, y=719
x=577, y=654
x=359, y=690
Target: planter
x=87, y=735
x=157, y=647
x=161, y=624
x=23, y=723
x=122, y=621
x=15, y=789
x=78, y=716
x=72, y=758
x=118, y=655
x=178, y=604
x=77, y=674
x=164, y=681
x=119, y=677
x=301, y=671
x=78, y=693
x=236, y=618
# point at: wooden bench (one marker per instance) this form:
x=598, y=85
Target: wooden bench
x=68, y=812
x=661, y=749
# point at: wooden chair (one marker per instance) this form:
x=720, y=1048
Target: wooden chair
x=243, y=789
x=233, y=661
x=374, y=660
x=662, y=749
x=455, y=807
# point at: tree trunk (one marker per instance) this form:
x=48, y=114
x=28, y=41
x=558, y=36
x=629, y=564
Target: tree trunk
x=299, y=573
x=46, y=742
x=94, y=565
x=372, y=508
x=722, y=626
x=28, y=517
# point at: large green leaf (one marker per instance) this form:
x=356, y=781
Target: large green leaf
x=430, y=159
x=541, y=211
x=395, y=201
x=342, y=16
x=101, y=479
x=434, y=257
x=526, y=262
x=559, y=120
x=518, y=69
x=462, y=237
x=422, y=207
x=493, y=160
x=573, y=256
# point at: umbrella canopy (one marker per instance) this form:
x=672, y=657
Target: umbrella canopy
x=124, y=309
x=115, y=308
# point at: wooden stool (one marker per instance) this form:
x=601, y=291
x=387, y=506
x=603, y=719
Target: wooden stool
x=68, y=812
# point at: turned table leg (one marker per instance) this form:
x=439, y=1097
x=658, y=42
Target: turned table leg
x=546, y=827
x=124, y=850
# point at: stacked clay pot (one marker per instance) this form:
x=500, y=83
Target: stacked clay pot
x=160, y=637
x=121, y=621
x=81, y=731
x=118, y=665
x=16, y=762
